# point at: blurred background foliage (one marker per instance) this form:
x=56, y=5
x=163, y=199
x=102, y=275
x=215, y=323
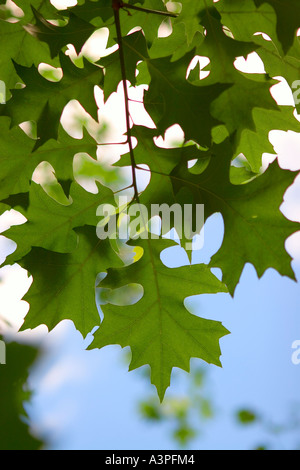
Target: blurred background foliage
x=15, y=430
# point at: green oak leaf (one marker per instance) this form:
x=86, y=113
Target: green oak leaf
x=45, y=8
x=19, y=202
x=172, y=99
x=134, y=46
x=190, y=17
x=175, y=45
x=92, y=10
x=254, y=228
x=97, y=12
x=161, y=162
x=158, y=325
x=288, y=20
x=245, y=20
x=50, y=224
x=254, y=143
x=262, y=232
x=21, y=47
x=248, y=93
x=64, y=284
x=4, y=207
x=241, y=175
x=147, y=152
x=76, y=32
x=16, y=172
x=43, y=101
x=221, y=49
x=280, y=65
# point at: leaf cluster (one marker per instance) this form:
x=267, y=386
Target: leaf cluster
x=225, y=117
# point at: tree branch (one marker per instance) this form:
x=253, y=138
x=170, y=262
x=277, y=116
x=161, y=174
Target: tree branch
x=147, y=10
x=117, y=4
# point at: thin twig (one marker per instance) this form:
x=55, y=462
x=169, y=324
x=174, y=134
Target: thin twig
x=147, y=10
x=116, y=7
x=123, y=189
